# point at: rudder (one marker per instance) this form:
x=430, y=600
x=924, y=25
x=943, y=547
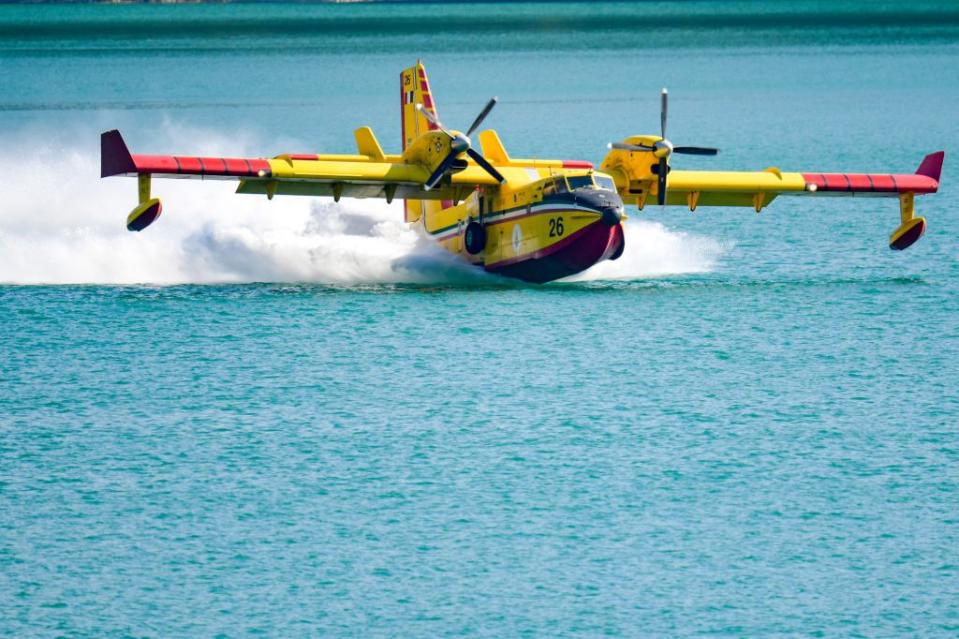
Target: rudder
x=415, y=89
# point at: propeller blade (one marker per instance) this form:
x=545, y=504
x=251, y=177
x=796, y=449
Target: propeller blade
x=663, y=170
x=433, y=119
x=622, y=146
x=479, y=159
x=662, y=113
x=482, y=116
x=440, y=171
x=695, y=150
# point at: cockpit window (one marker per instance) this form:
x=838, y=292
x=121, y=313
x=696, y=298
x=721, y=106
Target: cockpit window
x=556, y=185
x=580, y=181
x=605, y=182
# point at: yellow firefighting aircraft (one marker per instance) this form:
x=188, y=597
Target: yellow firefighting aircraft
x=532, y=219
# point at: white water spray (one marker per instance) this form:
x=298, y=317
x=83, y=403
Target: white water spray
x=652, y=250
x=61, y=224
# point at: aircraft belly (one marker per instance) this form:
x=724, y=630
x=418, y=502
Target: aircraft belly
x=528, y=231
x=539, y=243
x=572, y=254
x=548, y=242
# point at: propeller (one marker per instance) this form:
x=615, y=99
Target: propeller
x=663, y=148
x=460, y=143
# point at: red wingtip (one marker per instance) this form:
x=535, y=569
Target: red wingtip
x=115, y=158
x=932, y=165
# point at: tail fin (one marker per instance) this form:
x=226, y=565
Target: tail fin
x=415, y=89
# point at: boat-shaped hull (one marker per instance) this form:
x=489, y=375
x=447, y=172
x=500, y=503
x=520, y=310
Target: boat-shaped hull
x=569, y=256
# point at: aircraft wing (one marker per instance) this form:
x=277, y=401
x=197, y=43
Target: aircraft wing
x=722, y=188
x=370, y=174
x=637, y=184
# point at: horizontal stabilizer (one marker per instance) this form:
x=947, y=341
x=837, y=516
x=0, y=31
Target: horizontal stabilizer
x=115, y=158
x=493, y=147
x=368, y=145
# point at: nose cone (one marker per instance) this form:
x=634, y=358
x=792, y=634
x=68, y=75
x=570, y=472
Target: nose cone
x=607, y=203
x=662, y=148
x=613, y=215
x=460, y=143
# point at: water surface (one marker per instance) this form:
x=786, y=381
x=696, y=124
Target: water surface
x=295, y=419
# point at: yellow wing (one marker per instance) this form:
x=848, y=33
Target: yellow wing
x=369, y=174
x=636, y=178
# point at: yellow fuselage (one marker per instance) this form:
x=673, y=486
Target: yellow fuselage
x=544, y=222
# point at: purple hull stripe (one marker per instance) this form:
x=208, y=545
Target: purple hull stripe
x=593, y=244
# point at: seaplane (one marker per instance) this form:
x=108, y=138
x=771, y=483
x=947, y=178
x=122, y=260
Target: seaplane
x=537, y=220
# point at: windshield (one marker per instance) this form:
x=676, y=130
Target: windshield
x=605, y=182
x=580, y=181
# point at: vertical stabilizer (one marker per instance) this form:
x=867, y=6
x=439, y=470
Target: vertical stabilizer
x=415, y=89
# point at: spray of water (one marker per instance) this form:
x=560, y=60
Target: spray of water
x=652, y=250
x=60, y=224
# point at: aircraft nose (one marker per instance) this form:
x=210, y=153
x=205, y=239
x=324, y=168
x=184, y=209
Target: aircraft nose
x=606, y=204
x=612, y=215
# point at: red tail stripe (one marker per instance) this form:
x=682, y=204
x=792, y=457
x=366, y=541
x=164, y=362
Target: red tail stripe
x=402, y=115
x=577, y=164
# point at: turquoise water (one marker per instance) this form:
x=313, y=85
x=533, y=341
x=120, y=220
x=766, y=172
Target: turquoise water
x=294, y=418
